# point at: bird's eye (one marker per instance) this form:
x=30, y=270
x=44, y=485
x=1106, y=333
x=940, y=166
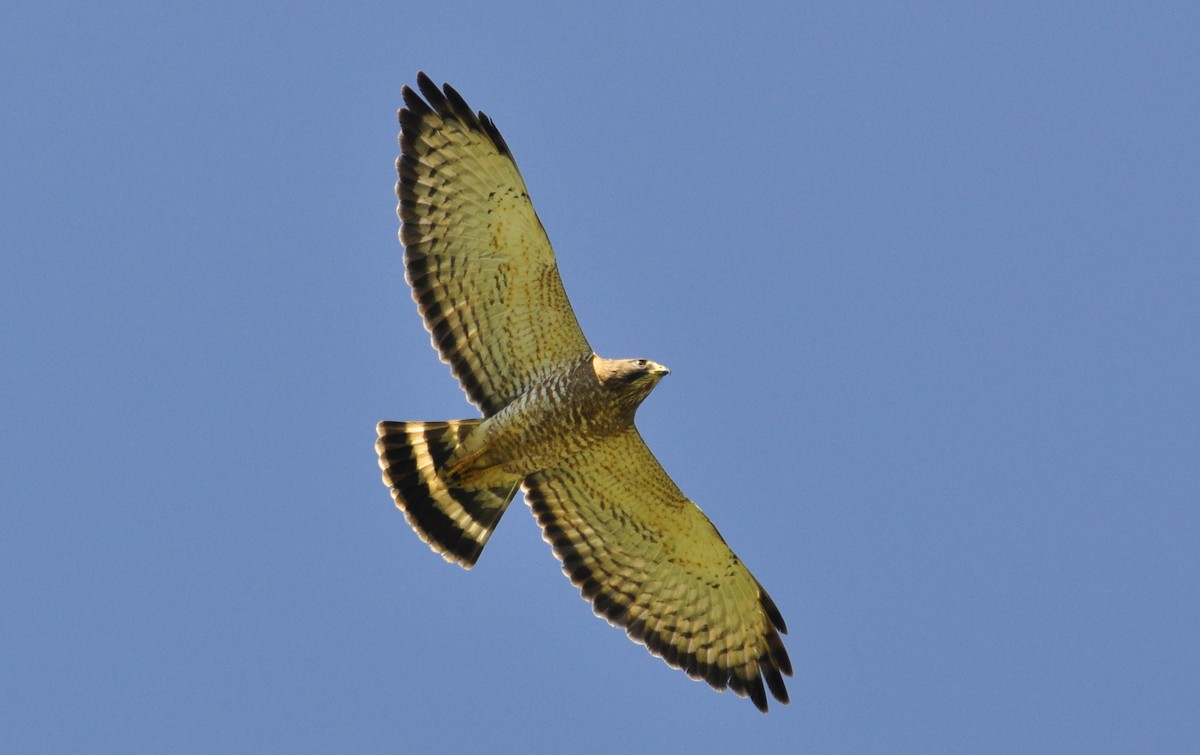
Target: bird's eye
x=641, y=363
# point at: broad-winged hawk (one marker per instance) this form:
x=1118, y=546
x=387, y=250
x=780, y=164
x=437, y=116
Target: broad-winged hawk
x=557, y=419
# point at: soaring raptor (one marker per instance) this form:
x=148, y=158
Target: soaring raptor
x=557, y=419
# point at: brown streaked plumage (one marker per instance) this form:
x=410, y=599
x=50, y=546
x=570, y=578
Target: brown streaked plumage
x=557, y=419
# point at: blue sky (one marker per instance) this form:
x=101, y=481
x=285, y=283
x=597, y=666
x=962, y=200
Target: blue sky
x=926, y=278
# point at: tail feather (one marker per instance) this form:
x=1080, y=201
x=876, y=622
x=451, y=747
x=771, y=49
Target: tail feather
x=455, y=522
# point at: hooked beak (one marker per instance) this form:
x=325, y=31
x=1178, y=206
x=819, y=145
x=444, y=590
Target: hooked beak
x=661, y=370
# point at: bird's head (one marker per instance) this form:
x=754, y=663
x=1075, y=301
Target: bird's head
x=631, y=379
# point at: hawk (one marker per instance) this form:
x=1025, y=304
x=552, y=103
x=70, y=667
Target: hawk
x=558, y=420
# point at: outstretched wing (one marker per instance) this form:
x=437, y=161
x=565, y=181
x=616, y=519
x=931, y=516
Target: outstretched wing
x=479, y=262
x=650, y=561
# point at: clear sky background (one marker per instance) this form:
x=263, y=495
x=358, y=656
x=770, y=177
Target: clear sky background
x=928, y=279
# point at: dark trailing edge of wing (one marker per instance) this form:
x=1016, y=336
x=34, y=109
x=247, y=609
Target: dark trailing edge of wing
x=445, y=338
x=614, y=605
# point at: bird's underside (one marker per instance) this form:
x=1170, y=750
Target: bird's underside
x=557, y=420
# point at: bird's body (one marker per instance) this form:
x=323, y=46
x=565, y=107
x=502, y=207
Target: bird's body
x=558, y=416
x=558, y=420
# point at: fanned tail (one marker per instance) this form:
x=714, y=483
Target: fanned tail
x=455, y=522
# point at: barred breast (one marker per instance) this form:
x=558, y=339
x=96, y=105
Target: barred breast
x=560, y=414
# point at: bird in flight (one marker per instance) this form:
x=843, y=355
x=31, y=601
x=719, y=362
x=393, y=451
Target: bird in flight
x=558, y=420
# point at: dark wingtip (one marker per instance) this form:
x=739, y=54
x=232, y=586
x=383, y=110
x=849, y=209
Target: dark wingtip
x=459, y=106
x=447, y=103
x=426, y=85
x=412, y=103
x=757, y=694
x=489, y=127
x=772, y=611
x=775, y=683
